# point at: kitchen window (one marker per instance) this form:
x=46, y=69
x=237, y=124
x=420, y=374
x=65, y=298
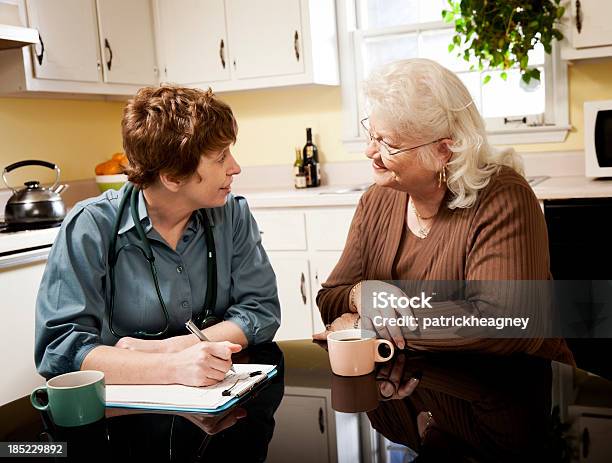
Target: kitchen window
x=375, y=32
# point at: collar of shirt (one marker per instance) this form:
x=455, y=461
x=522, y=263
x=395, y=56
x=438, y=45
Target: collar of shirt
x=127, y=222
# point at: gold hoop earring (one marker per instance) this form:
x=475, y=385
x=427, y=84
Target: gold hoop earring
x=442, y=176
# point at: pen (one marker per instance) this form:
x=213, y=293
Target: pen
x=201, y=336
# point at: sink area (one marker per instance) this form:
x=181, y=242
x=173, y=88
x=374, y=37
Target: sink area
x=533, y=181
x=347, y=190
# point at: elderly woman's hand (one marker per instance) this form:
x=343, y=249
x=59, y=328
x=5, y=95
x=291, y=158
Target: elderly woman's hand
x=391, y=382
x=374, y=318
x=346, y=321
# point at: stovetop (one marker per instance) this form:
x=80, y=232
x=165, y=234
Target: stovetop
x=10, y=228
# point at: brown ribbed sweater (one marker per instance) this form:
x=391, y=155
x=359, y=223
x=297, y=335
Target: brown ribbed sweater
x=502, y=237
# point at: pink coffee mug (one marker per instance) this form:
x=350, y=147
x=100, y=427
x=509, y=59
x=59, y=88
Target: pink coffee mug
x=354, y=352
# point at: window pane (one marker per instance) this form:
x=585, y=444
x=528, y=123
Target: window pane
x=512, y=97
x=382, y=50
x=472, y=81
x=434, y=45
x=385, y=13
x=431, y=10
x=536, y=56
x=388, y=13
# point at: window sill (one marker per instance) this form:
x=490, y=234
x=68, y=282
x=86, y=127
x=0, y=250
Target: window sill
x=512, y=136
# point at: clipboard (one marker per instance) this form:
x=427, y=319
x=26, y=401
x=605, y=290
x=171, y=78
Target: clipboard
x=212, y=402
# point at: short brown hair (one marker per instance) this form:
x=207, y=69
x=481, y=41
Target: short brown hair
x=167, y=129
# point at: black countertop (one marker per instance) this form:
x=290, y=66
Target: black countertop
x=483, y=408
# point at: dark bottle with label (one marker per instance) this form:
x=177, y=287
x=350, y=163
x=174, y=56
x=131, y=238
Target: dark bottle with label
x=310, y=156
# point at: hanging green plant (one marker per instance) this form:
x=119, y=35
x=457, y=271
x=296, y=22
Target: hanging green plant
x=500, y=33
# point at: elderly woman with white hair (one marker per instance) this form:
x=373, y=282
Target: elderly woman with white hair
x=445, y=205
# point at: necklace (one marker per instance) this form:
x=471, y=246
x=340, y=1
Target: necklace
x=423, y=230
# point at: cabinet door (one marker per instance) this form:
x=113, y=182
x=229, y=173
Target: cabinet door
x=322, y=263
x=69, y=39
x=266, y=37
x=305, y=417
x=292, y=277
x=126, y=41
x=19, y=288
x=591, y=25
x=193, y=41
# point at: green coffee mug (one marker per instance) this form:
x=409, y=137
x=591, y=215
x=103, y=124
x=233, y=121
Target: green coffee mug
x=73, y=399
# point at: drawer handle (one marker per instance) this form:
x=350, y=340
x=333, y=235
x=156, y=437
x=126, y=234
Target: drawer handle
x=303, y=288
x=578, y=16
x=321, y=421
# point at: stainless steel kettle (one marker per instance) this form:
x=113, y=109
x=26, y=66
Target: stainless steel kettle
x=34, y=206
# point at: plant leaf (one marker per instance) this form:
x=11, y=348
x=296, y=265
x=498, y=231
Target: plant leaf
x=486, y=79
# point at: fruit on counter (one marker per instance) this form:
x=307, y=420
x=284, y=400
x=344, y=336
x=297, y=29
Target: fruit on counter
x=116, y=165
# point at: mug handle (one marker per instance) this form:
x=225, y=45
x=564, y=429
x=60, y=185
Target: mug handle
x=35, y=402
x=377, y=356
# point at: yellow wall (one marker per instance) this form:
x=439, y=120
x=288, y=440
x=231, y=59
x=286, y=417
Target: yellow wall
x=79, y=134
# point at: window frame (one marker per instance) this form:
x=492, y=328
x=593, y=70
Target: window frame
x=555, y=126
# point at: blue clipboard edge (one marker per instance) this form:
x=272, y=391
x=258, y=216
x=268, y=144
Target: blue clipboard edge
x=210, y=411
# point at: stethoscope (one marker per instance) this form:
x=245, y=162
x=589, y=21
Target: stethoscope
x=206, y=316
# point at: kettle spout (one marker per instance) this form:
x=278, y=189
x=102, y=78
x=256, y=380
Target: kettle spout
x=61, y=188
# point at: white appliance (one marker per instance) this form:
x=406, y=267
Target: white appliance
x=23, y=256
x=598, y=138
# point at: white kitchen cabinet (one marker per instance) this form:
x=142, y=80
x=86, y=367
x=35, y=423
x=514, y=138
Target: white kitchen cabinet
x=588, y=30
x=68, y=48
x=126, y=41
x=304, y=412
x=69, y=58
x=292, y=278
x=321, y=264
x=245, y=44
x=19, y=285
x=193, y=41
x=303, y=244
x=266, y=37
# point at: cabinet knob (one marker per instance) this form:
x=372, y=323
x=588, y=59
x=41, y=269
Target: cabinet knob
x=222, y=53
x=303, y=288
x=578, y=16
x=39, y=56
x=296, y=45
x=109, y=61
x=321, y=421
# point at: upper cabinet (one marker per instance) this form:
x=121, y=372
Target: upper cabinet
x=588, y=30
x=68, y=48
x=114, y=47
x=266, y=38
x=245, y=44
x=102, y=47
x=126, y=41
x=193, y=41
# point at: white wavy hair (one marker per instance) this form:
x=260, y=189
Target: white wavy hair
x=424, y=101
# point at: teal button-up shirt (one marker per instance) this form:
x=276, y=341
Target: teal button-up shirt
x=73, y=299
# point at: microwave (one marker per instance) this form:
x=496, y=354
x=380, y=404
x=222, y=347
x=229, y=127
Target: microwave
x=598, y=138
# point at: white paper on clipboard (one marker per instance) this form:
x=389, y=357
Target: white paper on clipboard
x=189, y=397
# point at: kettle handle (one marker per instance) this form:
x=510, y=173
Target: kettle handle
x=31, y=162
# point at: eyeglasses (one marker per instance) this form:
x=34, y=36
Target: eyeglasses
x=384, y=148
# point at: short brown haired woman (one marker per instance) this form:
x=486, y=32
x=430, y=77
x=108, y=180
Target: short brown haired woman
x=130, y=267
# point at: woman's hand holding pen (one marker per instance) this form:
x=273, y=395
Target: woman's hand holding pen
x=202, y=364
